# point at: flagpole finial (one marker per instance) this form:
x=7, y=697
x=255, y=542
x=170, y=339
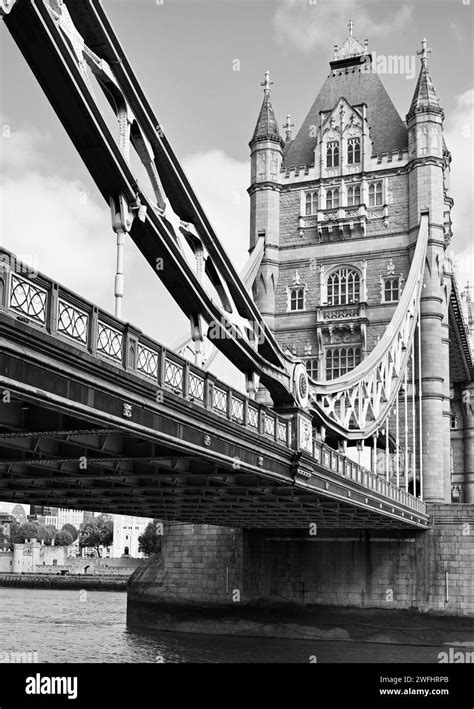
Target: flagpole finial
x=267, y=83
x=424, y=52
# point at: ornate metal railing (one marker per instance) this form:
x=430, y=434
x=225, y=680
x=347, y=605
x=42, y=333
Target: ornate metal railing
x=36, y=300
x=41, y=303
x=330, y=313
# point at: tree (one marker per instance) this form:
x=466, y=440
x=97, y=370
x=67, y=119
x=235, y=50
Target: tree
x=26, y=531
x=63, y=538
x=150, y=541
x=49, y=534
x=71, y=529
x=14, y=534
x=33, y=530
x=97, y=533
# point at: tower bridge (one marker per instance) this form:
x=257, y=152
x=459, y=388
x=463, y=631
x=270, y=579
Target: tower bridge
x=95, y=415
x=346, y=325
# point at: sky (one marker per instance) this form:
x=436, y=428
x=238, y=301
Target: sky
x=200, y=64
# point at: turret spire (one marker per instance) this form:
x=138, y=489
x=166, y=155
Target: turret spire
x=267, y=126
x=424, y=98
x=288, y=126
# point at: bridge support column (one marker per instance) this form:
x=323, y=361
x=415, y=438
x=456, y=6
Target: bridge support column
x=434, y=425
x=468, y=412
x=447, y=385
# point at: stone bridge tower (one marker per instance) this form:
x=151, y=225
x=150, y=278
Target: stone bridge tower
x=340, y=220
x=337, y=211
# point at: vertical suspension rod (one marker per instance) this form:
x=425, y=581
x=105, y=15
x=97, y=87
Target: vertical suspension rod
x=420, y=409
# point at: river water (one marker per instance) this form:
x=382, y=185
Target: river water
x=79, y=626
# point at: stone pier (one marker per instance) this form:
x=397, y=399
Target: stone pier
x=220, y=580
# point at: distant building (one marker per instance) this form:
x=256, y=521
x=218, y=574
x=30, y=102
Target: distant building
x=33, y=556
x=6, y=520
x=74, y=517
x=57, y=517
x=126, y=533
x=19, y=512
x=43, y=511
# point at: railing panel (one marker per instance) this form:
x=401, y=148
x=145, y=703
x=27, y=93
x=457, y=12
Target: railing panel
x=109, y=341
x=28, y=298
x=268, y=425
x=196, y=387
x=72, y=322
x=282, y=431
x=219, y=400
x=174, y=373
x=253, y=417
x=237, y=409
x=147, y=361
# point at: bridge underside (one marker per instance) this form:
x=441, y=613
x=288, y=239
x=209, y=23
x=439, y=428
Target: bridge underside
x=79, y=431
x=58, y=460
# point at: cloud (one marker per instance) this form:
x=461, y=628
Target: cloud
x=305, y=23
x=459, y=134
x=20, y=147
x=220, y=183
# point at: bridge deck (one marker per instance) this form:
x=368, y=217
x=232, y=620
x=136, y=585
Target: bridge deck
x=95, y=415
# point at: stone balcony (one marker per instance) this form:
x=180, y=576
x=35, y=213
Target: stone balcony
x=342, y=222
x=342, y=323
x=341, y=313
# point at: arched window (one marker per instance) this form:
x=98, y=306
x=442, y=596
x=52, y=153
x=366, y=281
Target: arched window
x=391, y=289
x=375, y=194
x=353, y=195
x=353, y=151
x=332, y=153
x=343, y=287
x=340, y=360
x=311, y=203
x=332, y=198
x=312, y=367
x=297, y=298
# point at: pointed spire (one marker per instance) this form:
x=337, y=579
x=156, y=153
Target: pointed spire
x=288, y=128
x=267, y=126
x=351, y=47
x=424, y=98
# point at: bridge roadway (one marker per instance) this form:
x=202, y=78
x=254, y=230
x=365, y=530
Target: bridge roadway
x=95, y=415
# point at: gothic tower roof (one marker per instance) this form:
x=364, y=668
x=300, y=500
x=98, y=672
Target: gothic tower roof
x=354, y=77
